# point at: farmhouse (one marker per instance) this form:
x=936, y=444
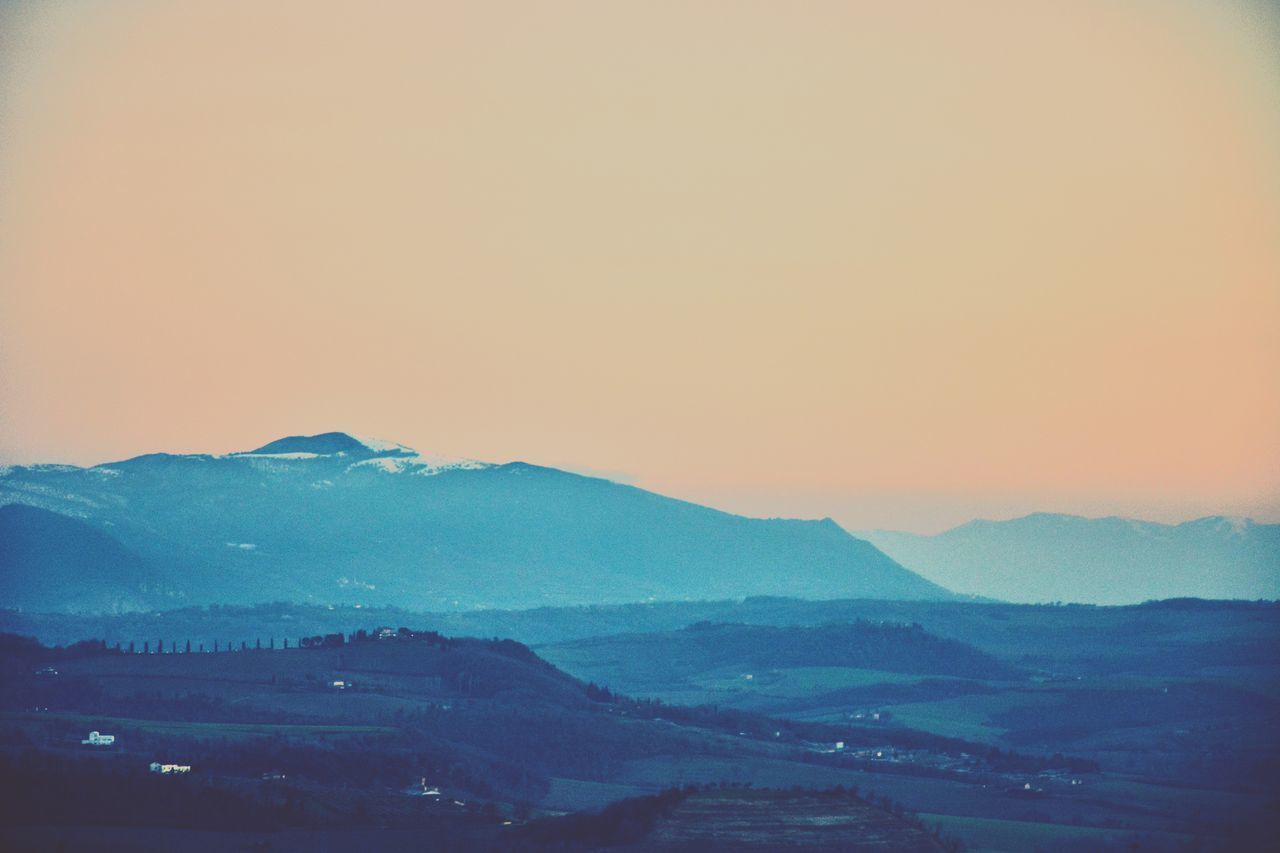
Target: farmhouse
x=422, y=789
x=169, y=769
x=99, y=739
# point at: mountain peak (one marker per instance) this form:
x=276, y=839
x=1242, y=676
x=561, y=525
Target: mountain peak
x=329, y=443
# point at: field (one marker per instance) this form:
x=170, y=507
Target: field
x=1012, y=728
x=989, y=835
x=34, y=720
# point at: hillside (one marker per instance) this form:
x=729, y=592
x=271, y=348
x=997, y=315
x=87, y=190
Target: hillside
x=417, y=732
x=52, y=562
x=739, y=818
x=751, y=652
x=1045, y=557
x=330, y=519
x=773, y=820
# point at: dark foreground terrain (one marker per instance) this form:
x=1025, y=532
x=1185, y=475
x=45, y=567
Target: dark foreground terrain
x=893, y=725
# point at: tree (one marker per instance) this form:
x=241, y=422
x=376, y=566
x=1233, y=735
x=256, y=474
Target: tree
x=188, y=647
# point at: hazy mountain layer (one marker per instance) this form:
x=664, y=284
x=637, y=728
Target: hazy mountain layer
x=1045, y=557
x=52, y=562
x=332, y=519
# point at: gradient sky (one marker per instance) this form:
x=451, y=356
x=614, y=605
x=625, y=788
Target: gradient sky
x=902, y=264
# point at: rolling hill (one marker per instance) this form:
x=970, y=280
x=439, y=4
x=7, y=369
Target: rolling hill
x=334, y=519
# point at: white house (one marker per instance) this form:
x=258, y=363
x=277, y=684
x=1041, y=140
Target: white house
x=99, y=739
x=169, y=769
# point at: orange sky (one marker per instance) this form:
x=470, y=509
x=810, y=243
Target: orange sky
x=901, y=264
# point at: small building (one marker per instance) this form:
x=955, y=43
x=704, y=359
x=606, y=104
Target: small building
x=99, y=739
x=272, y=776
x=422, y=789
x=47, y=671
x=169, y=769
x=339, y=685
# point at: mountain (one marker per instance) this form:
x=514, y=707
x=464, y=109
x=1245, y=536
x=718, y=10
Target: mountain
x=335, y=519
x=1046, y=557
x=52, y=562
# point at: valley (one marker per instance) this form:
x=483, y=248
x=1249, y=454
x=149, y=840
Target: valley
x=1000, y=725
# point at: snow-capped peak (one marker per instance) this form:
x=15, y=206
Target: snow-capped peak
x=329, y=444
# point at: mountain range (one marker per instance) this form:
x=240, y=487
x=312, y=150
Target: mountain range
x=1047, y=557
x=334, y=519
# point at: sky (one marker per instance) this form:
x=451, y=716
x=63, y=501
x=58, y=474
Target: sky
x=899, y=264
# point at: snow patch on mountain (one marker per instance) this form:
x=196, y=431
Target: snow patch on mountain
x=378, y=445
x=420, y=464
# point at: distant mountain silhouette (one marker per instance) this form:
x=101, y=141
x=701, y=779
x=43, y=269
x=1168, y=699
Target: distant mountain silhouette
x=325, y=443
x=1048, y=557
x=335, y=519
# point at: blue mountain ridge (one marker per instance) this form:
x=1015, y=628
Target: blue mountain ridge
x=335, y=519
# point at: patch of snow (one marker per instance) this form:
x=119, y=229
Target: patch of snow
x=243, y=546
x=378, y=445
x=105, y=473
x=322, y=484
x=346, y=582
x=51, y=493
x=419, y=464
x=392, y=465
x=431, y=465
